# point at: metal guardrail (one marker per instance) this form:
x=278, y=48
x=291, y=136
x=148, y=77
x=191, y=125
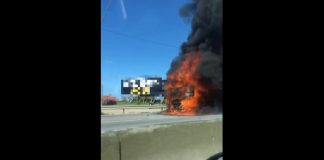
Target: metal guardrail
x=124, y=109
x=131, y=106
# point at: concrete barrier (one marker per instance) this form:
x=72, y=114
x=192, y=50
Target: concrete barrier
x=187, y=140
x=110, y=147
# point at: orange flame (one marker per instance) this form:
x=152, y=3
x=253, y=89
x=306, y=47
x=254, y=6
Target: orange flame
x=184, y=77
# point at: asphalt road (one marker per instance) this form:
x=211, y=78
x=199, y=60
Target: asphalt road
x=122, y=122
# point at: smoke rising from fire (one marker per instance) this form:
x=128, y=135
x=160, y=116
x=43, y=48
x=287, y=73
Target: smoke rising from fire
x=206, y=38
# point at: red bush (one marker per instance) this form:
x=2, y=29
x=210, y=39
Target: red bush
x=109, y=100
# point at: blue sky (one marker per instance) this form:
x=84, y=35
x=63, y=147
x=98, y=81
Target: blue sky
x=139, y=37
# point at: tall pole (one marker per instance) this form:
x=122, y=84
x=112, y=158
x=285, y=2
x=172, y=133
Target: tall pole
x=101, y=93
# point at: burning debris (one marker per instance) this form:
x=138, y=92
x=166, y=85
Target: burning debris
x=194, y=80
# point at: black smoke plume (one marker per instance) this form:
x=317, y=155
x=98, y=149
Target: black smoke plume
x=206, y=37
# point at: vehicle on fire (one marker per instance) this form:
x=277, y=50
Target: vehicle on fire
x=177, y=96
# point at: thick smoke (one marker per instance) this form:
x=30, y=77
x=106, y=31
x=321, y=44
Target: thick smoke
x=205, y=37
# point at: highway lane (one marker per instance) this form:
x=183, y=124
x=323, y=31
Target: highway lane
x=122, y=122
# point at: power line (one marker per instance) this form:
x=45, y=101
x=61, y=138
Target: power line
x=139, y=38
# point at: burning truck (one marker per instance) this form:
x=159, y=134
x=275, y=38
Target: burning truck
x=188, y=92
x=195, y=78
